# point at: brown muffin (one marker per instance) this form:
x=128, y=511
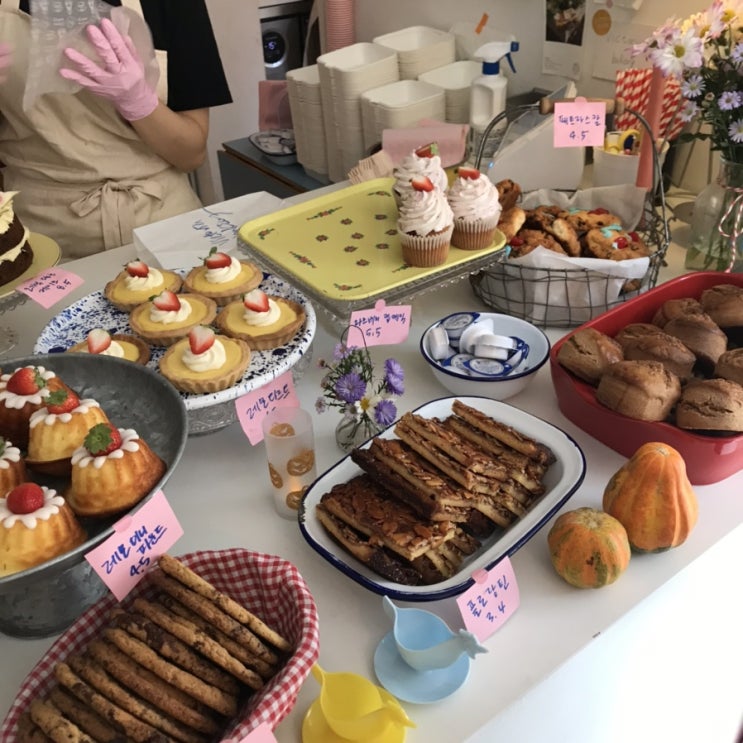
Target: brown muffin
x=673, y=308
x=724, y=304
x=643, y=390
x=667, y=349
x=587, y=353
x=634, y=331
x=711, y=405
x=730, y=366
x=701, y=335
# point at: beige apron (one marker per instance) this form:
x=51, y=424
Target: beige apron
x=84, y=177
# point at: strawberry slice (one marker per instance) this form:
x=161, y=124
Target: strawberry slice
x=428, y=150
x=471, y=174
x=256, y=300
x=167, y=301
x=422, y=183
x=25, y=381
x=62, y=401
x=201, y=339
x=102, y=439
x=25, y=498
x=217, y=259
x=98, y=340
x=138, y=269
x=599, y=210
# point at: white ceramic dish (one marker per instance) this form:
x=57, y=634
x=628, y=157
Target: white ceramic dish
x=458, y=380
x=562, y=480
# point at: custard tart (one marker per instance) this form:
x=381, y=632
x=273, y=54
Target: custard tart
x=118, y=345
x=137, y=283
x=223, y=278
x=168, y=317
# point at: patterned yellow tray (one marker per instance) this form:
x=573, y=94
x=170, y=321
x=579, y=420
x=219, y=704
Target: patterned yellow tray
x=344, y=247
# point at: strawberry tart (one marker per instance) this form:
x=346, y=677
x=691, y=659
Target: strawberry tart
x=425, y=224
x=262, y=321
x=57, y=429
x=137, y=283
x=223, y=277
x=12, y=466
x=112, y=471
x=36, y=525
x=474, y=201
x=205, y=362
x=423, y=162
x=168, y=317
x=119, y=345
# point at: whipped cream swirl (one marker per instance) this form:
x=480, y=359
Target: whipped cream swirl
x=153, y=279
x=425, y=212
x=259, y=319
x=166, y=317
x=414, y=166
x=212, y=358
x=222, y=275
x=474, y=199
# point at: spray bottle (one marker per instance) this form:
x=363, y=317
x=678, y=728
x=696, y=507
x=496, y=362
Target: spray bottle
x=488, y=93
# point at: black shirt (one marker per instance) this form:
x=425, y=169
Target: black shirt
x=196, y=77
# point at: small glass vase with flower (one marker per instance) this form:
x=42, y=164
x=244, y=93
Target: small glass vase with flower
x=350, y=385
x=705, y=53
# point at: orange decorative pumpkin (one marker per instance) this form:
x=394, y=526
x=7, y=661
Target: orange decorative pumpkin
x=589, y=548
x=652, y=496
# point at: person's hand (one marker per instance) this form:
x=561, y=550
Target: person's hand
x=121, y=77
x=6, y=59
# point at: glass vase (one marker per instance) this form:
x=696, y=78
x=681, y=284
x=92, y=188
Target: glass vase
x=352, y=432
x=710, y=249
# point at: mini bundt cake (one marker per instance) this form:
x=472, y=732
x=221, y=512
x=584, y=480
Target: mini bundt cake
x=12, y=466
x=36, y=525
x=57, y=429
x=112, y=471
x=22, y=392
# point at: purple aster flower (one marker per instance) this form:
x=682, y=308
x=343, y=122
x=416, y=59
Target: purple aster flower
x=320, y=405
x=729, y=100
x=350, y=387
x=385, y=412
x=394, y=377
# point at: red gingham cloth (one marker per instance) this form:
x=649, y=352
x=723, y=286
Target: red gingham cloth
x=268, y=586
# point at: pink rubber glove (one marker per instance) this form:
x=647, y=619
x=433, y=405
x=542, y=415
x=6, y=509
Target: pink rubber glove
x=6, y=59
x=121, y=79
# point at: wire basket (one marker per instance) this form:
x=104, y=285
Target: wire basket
x=570, y=297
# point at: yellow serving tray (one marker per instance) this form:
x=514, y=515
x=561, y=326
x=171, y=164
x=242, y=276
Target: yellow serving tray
x=344, y=245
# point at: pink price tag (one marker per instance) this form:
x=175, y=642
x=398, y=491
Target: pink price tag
x=48, y=287
x=261, y=734
x=253, y=407
x=138, y=540
x=382, y=326
x=579, y=123
x=490, y=601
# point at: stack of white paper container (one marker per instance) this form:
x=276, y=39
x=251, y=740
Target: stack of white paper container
x=344, y=75
x=455, y=80
x=419, y=49
x=305, y=102
x=399, y=105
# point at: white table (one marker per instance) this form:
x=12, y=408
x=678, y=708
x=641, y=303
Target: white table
x=654, y=657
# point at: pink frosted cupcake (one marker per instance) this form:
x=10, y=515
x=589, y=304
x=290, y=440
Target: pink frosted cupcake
x=422, y=162
x=474, y=201
x=425, y=224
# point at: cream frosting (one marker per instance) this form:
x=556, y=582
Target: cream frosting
x=81, y=457
x=414, y=166
x=52, y=505
x=15, y=401
x=259, y=319
x=166, y=317
x=222, y=275
x=474, y=199
x=153, y=280
x=425, y=212
x=43, y=414
x=11, y=455
x=7, y=215
x=212, y=358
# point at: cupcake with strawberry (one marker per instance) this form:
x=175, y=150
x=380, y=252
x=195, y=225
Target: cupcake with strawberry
x=222, y=277
x=425, y=225
x=137, y=282
x=474, y=201
x=422, y=162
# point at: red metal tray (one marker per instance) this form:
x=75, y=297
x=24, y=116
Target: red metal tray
x=708, y=458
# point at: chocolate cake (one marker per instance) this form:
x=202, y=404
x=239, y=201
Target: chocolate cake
x=15, y=252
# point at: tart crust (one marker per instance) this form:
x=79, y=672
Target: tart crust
x=262, y=338
x=126, y=300
x=214, y=380
x=249, y=278
x=203, y=312
x=135, y=349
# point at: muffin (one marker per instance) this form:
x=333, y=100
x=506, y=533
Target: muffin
x=643, y=390
x=667, y=349
x=701, y=335
x=724, y=304
x=473, y=199
x=425, y=224
x=634, y=331
x=588, y=353
x=673, y=308
x=423, y=162
x=730, y=366
x=711, y=405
